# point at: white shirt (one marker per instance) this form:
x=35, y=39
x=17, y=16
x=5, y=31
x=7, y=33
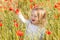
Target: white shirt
x=33, y=32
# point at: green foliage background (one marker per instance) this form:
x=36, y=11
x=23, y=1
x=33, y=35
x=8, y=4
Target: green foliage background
x=8, y=30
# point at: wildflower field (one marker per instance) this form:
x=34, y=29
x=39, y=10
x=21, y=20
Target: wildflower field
x=11, y=28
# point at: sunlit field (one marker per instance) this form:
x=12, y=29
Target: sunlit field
x=11, y=28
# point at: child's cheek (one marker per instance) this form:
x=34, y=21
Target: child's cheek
x=36, y=19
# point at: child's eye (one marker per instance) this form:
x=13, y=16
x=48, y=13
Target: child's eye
x=33, y=15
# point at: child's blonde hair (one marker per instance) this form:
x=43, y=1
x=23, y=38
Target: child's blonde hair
x=42, y=21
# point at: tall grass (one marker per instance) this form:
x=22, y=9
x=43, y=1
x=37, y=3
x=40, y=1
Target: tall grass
x=7, y=17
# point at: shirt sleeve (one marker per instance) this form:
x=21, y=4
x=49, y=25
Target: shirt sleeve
x=21, y=17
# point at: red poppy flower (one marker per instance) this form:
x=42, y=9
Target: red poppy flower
x=14, y=21
x=17, y=11
x=11, y=9
x=48, y=32
x=0, y=24
x=15, y=24
x=31, y=0
x=55, y=6
x=19, y=33
x=31, y=6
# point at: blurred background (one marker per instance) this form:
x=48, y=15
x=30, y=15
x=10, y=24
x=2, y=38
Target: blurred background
x=11, y=28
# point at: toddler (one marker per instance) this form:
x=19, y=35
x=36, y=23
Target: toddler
x=35, y=26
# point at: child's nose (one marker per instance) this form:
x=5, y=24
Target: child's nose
x=33, y=18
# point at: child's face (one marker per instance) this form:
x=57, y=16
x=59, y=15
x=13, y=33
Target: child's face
x=34, y=17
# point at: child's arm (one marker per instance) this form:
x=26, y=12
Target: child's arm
x=20, y=16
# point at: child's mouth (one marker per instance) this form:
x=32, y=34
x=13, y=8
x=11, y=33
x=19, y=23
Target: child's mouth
x=33, y=20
